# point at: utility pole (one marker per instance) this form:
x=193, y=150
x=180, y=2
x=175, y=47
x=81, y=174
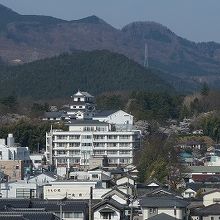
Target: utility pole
x=90, y=203
x=61, y=204
x=38, y=148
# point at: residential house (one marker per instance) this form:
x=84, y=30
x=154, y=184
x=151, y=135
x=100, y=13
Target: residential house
x=162, y=201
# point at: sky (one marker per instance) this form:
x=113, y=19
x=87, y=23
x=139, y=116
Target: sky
x=196, y=20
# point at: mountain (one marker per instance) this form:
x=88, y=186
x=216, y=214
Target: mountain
x=185, y=64
x=96, y=72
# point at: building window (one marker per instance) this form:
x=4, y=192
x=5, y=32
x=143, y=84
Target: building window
x=17, y=167
x=95, y=176
x=153, y=211
x=112, y=152
x=106, y=215
x=80, y=195
x=87, y=136
x=86, y=144
x=25, y=193
x=78, y=215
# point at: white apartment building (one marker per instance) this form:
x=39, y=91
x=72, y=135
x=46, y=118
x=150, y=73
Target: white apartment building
x=89, y=138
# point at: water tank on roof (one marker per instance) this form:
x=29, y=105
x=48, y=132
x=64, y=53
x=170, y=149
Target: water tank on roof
x=10, y=140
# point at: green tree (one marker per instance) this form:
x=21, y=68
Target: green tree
x=205, y=89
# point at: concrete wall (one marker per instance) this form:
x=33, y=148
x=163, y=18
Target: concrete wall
x=13, y=168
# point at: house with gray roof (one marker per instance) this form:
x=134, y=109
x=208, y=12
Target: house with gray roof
x=153, y=205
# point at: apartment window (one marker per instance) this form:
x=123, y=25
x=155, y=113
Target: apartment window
x=212, y=218
x=74, y=144
x=88, y=128
x=112, y=152
x=74, y=152
x=61, y=144
x=112, y=161
x=98, y=152
x=112, y=137
x=60, y=152
x=99, y=145
x=72, y=137
x=124, y=152
x=86, y=144
x=98, y=128
x=61, y=137
x=123, y=160
x=123, y=145
x=124, y=137
x=112, y=145
x=86, y=136
x=99, y=137
x=61, y=160
x=17, y=167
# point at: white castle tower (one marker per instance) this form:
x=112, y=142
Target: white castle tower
x=82, y=106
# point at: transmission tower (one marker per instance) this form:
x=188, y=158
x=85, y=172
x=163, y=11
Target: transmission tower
x=146, y=62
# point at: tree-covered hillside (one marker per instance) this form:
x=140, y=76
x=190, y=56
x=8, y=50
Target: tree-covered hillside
x=96, y=72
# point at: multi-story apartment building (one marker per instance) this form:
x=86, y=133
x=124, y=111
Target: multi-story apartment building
x=89, y=138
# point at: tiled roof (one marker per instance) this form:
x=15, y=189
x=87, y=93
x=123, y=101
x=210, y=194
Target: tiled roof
x=163, y=202
x=213, y=209
x=86, y=122
x=29, y=215
x=54, y=205
x=111, y=202
x=15, y=203
x=12, y=217
x=105, y=113
x=162, y=216
x=53, y=114
x=200, y=169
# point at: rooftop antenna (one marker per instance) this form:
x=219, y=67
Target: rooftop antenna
x=146, y=63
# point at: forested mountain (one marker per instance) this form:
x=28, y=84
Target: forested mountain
x=25, y=38
x=96, y=72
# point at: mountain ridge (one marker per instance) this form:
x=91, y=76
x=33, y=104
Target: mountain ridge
x=36, y=37
x=95, y=71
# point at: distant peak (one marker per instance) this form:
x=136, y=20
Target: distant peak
x=91, y=19
x=149, y=24
x=4, y=10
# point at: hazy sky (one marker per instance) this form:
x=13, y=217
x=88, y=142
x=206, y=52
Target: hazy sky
x=196, y=20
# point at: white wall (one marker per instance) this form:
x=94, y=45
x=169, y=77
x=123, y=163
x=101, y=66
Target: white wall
x=76, y=190
x=9, y=189
x=168, y=211
x=209, y=198
x=120, y=117
x=41, y=179
x=114, y=216
x=125, y=180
